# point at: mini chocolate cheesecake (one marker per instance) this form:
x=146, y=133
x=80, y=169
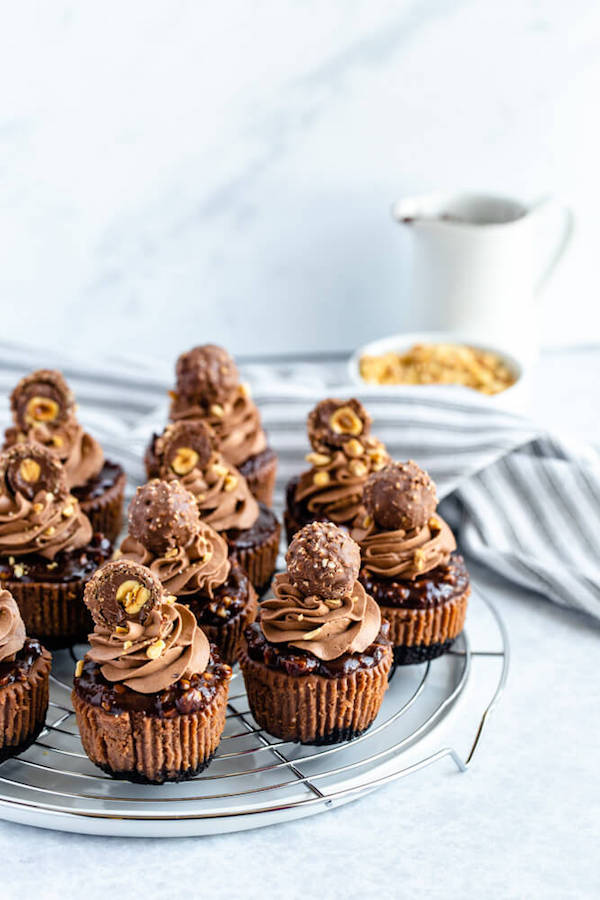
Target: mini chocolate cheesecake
x=343, y=456
x=44, y=411
x=208, y=389
x=316, y=661
x=410, y=565
x=187, y=451
x=190, y=559
x=48, y=550
x=24, y=677
x=150, y=695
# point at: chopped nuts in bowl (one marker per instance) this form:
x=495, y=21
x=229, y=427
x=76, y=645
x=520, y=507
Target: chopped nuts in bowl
x=416, y=361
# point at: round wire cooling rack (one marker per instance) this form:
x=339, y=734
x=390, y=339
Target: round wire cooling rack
x=256, y=779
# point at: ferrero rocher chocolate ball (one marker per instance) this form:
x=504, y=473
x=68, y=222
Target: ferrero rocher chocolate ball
x=183, y=446
x=120, y=591
x=323, y=560
x=400, y=496
x=28, y=468
x=42, y=398
x=207, y=374
x=163, y=515
x=333, y=422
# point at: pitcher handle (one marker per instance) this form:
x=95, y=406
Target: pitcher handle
x=545, y=207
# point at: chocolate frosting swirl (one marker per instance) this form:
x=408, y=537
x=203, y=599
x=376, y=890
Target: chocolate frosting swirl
x=37, y=513
x=325, y=627
x=12, y=629
x=43, y=408
x=208, y=389
x=401, y=554
x=333, y=487
x=400, y=537
x=122, y=655
x=201, y=567
x=345, y=454
x=318, y=604
x=150, y=649
x=222, y=495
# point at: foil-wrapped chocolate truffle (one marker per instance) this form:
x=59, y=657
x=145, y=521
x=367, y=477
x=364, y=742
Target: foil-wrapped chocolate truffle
x=333, y=422
x=42, y=398
x=400, y=496
x=29, y=468
x=163, y=515
x=323, y=560
x=120, y=591
x=183, y=446
x=207, y=374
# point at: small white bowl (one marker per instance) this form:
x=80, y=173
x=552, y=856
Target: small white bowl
x=514, y=398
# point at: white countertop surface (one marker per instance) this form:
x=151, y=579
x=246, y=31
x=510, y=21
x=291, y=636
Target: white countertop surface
x=523, y=822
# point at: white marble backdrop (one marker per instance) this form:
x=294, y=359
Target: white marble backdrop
x=172, y=172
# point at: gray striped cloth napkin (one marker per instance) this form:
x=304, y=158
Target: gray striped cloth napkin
x=524, y=503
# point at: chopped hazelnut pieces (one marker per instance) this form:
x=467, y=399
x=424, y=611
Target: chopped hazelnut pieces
x=155, y=649
x=321, y=479
x=79, y=668
x=419, y=560
x=217, y=411
x=230, y=482
x=353, y=448
x=481, y=370
x=358, y=468
x=68, y=511
x=318, y=459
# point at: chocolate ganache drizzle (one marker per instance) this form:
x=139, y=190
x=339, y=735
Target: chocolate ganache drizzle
x=12, y=629
x=186, y=451
x=401, y=535
x=319, y=606
x=344, y=454
x=167, y=535
x=44, y=411
x=141, y=637
x=37, y=513
x=208, y=388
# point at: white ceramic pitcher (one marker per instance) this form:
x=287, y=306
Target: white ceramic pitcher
x=477, y=267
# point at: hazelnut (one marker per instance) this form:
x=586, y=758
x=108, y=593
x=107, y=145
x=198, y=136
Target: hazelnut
x=132, y=596
x=68, y=511
x=30, y=470
x=318, y=459
x=41, y=409
x=353, y=448
x=358, y=468
x=155, y=649
x=345, y=421
x=217, y=411
x=230, y=482
x=220, y=470
x=184, y=460
x=419, y=560
x=321, y=479
x=79, y=668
